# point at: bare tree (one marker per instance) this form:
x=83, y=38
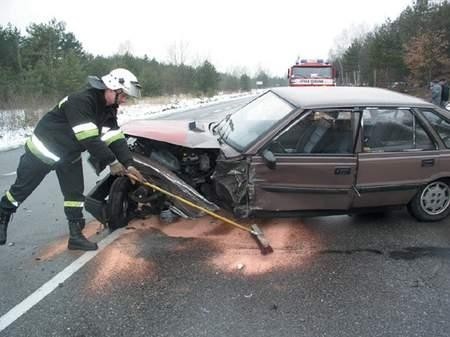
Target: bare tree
x=177, y=52
x=125, y=47
x=342, y=43
x=344, y=39
x=237, y=71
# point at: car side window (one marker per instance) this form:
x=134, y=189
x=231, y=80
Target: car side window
x=317, y=132
x=439, y=124
x=393, y=130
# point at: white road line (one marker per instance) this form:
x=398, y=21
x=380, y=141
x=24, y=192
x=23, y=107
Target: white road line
x=218, y=110
x=21, y=308
x=8, y=174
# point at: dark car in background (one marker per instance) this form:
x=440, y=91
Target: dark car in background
x=290, y=152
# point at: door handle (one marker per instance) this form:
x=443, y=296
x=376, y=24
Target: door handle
x=427, y=162
x=342, y=171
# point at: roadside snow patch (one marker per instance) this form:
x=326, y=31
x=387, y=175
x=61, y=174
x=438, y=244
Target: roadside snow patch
x=11, y=139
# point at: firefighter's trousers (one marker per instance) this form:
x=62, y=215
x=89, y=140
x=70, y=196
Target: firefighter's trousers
x=30, y=173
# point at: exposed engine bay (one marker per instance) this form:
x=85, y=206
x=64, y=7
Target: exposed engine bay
x=194, y=166
x=214, y=177
x=202, y=176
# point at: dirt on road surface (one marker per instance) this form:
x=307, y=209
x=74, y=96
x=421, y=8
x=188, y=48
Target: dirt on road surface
x=235, y=250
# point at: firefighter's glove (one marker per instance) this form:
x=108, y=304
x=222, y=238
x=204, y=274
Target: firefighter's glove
x=117, y=169
x=135, y=172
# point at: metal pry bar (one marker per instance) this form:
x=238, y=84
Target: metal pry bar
x=255, y=231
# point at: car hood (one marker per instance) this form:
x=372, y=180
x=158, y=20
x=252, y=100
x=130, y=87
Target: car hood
x=183, y=133
x=194, y=135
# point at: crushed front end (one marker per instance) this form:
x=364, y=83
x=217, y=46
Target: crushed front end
x=202, y=176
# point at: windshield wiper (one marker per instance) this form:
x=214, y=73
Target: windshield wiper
x=212, y=127
x=222, y=131
x=216, y=126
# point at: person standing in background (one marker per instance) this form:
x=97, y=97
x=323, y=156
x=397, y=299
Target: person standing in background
x=444, y=92
x=436, y=93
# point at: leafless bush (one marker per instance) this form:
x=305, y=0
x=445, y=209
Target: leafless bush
x=12, y=119
x=23, y=112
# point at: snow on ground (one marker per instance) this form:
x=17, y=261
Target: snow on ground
x=13, y=136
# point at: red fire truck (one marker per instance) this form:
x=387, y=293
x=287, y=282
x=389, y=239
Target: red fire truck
x=312, y=73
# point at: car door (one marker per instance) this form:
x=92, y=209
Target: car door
x=314, y=164
x=397, y=157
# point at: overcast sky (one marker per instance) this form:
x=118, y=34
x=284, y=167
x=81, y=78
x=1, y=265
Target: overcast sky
x=232, y=34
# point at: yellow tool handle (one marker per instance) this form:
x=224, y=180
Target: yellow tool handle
x=187, y=202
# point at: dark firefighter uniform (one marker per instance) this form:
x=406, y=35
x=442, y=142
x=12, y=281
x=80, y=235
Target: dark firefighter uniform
x=79, y=122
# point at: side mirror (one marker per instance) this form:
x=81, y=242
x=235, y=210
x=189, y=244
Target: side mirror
x=269, y=159
x=289, y=73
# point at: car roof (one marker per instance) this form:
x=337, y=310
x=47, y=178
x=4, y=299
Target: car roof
x=312, y=97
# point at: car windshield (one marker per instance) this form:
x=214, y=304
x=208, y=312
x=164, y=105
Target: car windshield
x=247, y=124
x=312, y=72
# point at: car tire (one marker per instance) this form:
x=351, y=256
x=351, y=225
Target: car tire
x=432, y=201
x=120, y=207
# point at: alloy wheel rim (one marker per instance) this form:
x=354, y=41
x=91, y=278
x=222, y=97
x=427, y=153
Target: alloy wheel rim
x=435, y=198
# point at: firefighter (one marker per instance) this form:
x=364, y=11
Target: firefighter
x=86, y=120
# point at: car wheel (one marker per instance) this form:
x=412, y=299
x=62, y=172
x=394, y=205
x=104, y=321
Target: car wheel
x=120, y=207
x=432, y=202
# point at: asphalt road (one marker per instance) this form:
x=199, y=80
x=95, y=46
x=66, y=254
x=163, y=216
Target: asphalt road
x=374, y=275
x=211, y=112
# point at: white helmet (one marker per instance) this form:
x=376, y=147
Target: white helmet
x=122, y=79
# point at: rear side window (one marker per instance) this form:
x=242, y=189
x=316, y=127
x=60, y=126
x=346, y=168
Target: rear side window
x=439, y=124
x=393, y=130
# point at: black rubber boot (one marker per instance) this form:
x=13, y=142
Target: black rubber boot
x=4, y=221
x=77, y=241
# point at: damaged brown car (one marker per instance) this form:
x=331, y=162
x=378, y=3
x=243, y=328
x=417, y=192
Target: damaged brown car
x=291, y=152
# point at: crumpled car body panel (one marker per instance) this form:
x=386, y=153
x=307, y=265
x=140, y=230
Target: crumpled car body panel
x=164, y=178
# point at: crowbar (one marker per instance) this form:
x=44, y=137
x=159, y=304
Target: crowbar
x=254, y=230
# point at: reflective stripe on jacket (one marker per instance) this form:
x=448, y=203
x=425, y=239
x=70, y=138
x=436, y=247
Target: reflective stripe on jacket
x=74, y=125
